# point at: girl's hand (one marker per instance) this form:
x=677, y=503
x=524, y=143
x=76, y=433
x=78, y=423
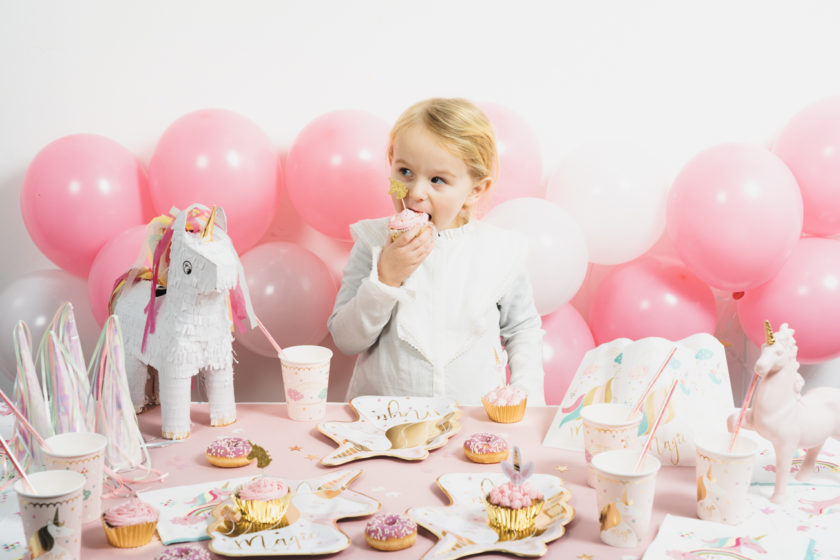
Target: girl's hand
x=403, y=255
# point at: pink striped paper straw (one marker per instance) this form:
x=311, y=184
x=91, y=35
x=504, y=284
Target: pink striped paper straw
x=17, y=466
x=656, y=424
x=270, y=339
x=638, y=406
x=743, y=413
x=23, y=420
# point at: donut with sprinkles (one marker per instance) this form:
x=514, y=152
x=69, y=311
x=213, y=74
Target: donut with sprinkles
x=486, y=448
x=390, y=531
x=229, y=452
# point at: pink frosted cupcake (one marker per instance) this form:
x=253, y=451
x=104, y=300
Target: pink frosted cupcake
x=406, y=221
x=130, y=524
x=263, y=500
x=505, y=404
x=513, y=507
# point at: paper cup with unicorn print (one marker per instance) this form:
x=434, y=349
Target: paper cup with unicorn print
x=83, y=452
x=52, y=513
x=608, y=426
x=624, y=495
x=306, y=373
x=723, y=477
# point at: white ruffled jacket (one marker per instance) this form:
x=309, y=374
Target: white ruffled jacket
x=439, y=333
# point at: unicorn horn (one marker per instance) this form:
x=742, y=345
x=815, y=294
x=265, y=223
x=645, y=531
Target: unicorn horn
x=208, y=229
x=768, y=333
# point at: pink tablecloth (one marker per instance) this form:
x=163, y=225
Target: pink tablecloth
x=296, y=448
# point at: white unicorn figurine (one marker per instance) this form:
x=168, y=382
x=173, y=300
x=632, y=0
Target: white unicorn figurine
x=187, y=330
x=783, y=415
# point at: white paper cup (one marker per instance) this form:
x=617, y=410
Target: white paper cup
x=624, y=496
x=52, y=517
x=723, y=478
x=83, y=452
x=306, y=373
x=607, y=426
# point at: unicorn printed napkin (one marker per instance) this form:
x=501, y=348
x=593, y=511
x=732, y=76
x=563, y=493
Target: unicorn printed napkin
x=620, y=371
x=683, y=538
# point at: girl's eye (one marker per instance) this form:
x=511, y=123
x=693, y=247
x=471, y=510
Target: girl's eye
x=405, y=172
x=438, y=181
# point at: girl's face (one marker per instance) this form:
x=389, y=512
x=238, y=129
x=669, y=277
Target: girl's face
x=438, y=182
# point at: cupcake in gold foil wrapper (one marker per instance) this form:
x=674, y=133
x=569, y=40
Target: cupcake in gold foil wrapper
x=130, y=524
x=505, y=414
x=263, y=501
x=130, y=536
x=513, y=507
x=512, y=524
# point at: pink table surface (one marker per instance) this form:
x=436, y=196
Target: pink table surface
x=296, y=448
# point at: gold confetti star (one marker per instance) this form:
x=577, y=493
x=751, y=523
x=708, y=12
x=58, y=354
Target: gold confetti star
x=311, y=457
x=585, y=556
x=561, y=468
x=295, y=448
x=397, y=188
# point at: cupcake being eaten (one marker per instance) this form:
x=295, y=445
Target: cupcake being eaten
x=513, y=507
x=130, y=524
x=407, y=219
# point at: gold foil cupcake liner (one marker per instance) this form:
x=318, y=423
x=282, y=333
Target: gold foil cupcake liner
x=130, y=536
x=263, y=512
x=512, y=524
x=505, y=414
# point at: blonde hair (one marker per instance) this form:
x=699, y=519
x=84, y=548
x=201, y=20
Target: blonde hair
x=461, y=127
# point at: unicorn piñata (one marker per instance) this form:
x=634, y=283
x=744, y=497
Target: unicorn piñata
x=177, y=317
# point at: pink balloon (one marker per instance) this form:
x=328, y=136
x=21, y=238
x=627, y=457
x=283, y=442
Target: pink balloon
x=113, y=260
x=78, y=192
x=651, y=297
x=288, y=226
x=337, y=171
x=810, y=146
x=567, y=339
x=734, y=214
x=218, y=157
x=293, y=293
x=805, y=294
x=34, y=299
x=520, y=163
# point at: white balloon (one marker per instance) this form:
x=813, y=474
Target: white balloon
x=34, y=299
x=617, y=195
x=557, y=257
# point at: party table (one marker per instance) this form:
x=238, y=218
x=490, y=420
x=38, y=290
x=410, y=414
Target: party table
x=297, y=447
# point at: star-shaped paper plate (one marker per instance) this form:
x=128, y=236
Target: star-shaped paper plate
x=309, y=526
x=402, y=427
x=462, y=526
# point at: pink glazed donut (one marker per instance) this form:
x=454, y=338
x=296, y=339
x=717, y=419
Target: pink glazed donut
x=183, y=553
x=486, y=448
x=390, y=531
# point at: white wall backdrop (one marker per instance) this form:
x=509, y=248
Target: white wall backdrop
x=674, y=76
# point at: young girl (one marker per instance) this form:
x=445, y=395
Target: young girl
x=426, y=311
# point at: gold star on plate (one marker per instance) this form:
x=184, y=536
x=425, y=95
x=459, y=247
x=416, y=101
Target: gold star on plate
x=585, y=556
x=295, y=448
x=311, y=457
x=397, y=188
x=561, y=468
